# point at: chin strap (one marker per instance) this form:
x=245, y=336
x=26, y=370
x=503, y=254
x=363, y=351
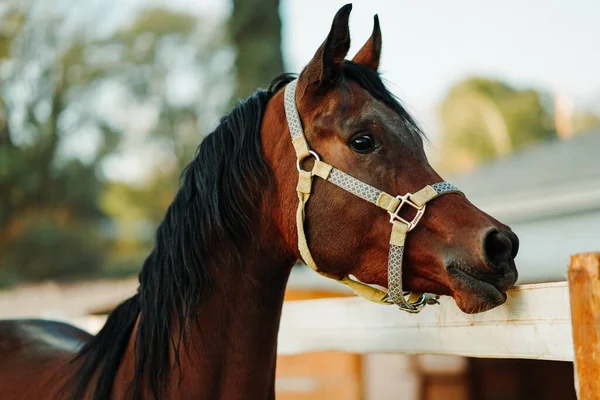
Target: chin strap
x=383, y=200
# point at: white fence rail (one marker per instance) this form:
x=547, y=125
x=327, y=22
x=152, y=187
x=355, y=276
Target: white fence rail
x=534, y=323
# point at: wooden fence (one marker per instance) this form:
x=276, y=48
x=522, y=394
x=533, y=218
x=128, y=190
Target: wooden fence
x=546, y=321
x=534, y=323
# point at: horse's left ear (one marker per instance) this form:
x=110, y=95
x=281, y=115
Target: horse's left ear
x=369, y=54
x=326, y=64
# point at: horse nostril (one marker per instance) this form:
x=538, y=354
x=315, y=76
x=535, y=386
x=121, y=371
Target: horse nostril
x=498, y=248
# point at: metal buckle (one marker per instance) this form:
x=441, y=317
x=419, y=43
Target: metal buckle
x=416, y=306
x=311, y=153
x=406, y=200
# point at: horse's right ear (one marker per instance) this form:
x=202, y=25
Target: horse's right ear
x=370, y=53
x=326, y=64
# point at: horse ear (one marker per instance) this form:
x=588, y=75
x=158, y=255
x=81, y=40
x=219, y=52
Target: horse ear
x=326, y=64
x=369, y=54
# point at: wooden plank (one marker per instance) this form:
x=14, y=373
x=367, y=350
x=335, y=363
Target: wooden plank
x=329, y=375
x=534, y=323
x=584, y=283
x=292, y=294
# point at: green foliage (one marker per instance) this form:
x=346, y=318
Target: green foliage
x=484, y=119
x=52, y=225
x=158, y=22
x=12, y=22
x=585, y=121
x=59, y=216
x=146, y=202
x=47, y=248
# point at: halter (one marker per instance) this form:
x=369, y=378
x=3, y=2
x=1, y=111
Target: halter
x=392, y=204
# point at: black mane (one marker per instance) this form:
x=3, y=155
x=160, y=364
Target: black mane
x=219, y=190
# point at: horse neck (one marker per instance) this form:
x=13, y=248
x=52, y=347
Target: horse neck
x=231, y=351
x=234, y=346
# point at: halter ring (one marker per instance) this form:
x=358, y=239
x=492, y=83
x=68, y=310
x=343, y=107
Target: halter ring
x=311, y=153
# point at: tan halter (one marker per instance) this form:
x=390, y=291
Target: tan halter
x=393, y=205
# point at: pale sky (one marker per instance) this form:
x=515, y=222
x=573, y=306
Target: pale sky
x=429, y=45
x=552, y=45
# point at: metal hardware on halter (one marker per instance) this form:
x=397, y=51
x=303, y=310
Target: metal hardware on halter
x=298, y=161
x=406, y=200
x=393, y=205
x=414, y=307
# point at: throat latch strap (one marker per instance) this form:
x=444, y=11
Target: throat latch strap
x=383, y=200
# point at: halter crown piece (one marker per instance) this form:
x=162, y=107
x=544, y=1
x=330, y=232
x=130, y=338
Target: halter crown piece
x=406, y=301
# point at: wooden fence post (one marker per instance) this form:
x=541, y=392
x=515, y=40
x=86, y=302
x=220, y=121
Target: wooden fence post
x=584, y=289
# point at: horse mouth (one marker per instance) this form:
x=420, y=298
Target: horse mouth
x=472, y=294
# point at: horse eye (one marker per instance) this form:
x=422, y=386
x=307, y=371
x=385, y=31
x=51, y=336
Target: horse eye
x=362, y=144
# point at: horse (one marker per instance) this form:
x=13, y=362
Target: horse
x=287, y=175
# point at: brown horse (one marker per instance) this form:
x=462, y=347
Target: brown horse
x=204, y=322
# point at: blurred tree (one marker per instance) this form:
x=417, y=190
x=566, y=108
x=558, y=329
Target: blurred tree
x=255, y=31
x=585, y=121
x=41, y=195
x=483, y=119
x=71, y=102
x=180, y=73
x=136, y=210
x=179, y=66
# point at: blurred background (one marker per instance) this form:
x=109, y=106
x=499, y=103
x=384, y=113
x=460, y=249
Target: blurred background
x=102, y=103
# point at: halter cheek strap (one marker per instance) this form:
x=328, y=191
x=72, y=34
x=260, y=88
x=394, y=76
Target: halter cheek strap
x=392, y=204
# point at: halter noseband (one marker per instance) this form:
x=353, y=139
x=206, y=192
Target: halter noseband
x=392, y=204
